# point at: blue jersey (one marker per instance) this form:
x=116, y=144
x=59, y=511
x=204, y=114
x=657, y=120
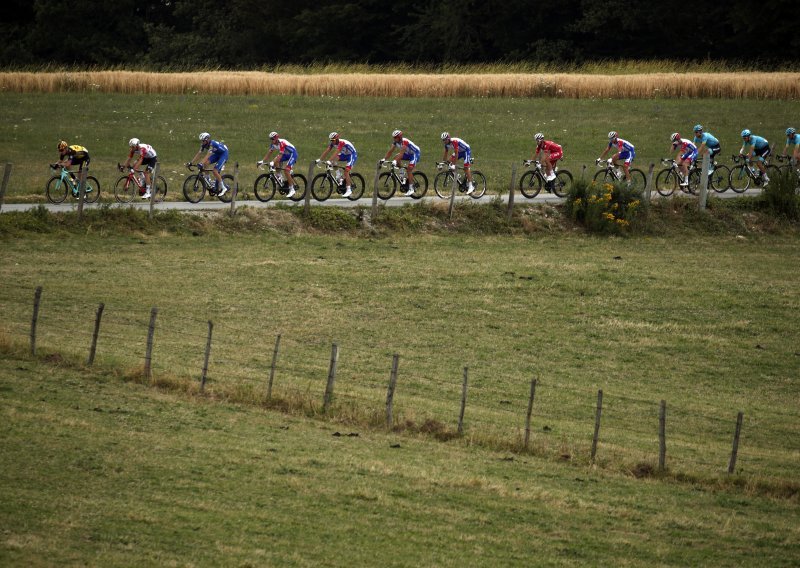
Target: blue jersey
x=622, y=145
x=793, y=139
x=407, y=146
x=707, y=139
x=757, y=142
x=214, y=147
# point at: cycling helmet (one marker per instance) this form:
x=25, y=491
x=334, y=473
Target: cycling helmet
x=445, y=136
x=675, y=136
x=204, y=136
x=133, y=142
x=538, y=136
x=333, y=135
x=746, y=133
x=698, y=127
x=273, y=135
x=612, y=134
x=790, y=131
x=397, y=133
x=62, y=145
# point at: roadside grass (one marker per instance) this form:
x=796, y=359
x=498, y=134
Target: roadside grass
x=500, y=130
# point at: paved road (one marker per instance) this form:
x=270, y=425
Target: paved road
x=208, y=205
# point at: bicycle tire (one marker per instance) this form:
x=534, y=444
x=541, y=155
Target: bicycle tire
x=420, y=185
x=739, y=179
x=56, y=190
x=321, y=187
x=161, y=189
x=264, y=187
x=357, y=184
x=563, y=183
x=666, y=182
x=443, y=184
x=387, y=186
x=479, y=182
x=124, y=189
x=193, y=189
x=530, y=184
x=300, y=187
x=604, y=176
x=719, y=178
x=91, y=192
x=227, y=179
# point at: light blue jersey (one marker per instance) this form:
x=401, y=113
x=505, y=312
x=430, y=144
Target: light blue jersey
x=707, y=139
x=757, y=142
x=793, y=139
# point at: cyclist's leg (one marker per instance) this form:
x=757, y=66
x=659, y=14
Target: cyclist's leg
x=351, y=161
x=412, y=159
x=288, y=161
x=548, y=165
x=219, y=164
x=466, y=155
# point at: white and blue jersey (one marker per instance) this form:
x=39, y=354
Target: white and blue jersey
x=287, y=152
x=218, y=154
x=346, y=152
x=626, y=150
x=461, y=149
x=411, y=151
x=687, y=149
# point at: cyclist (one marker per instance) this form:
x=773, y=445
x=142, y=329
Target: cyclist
x=792, y=139
x=461, y=151
x=626, y=152
x=287, y=157
x=706, y=142
x=407, y=151
x=346, y=152
x=756, y=146
x=146, y=157
x=551, y=153
x=687, y=154
x=72, y=156
x=217, y=154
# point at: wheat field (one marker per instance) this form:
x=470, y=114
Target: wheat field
x=730, y=85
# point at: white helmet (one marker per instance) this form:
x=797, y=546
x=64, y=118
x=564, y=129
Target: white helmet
x=675, y=136
x=445, y=136
x=612, y=134
x=538, y=136
x=133, y=142
x=273, y=135
x=397, y=133
x=204, y=136
x=333, y=135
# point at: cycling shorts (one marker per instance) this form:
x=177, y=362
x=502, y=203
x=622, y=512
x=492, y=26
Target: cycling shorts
x=713, y=151
x=218, y=160
x=80, y=161
x=762, y=153
x=150, y=163
x=626, y=156
x=350, y=159
x=412, y=158
x=289, y=159
x=691, y=156
x=465, y=155
x=556, y=156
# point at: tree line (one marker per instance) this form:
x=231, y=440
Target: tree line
x=180, y=34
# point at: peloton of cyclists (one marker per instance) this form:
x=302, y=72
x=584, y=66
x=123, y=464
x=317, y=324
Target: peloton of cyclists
x=406, y=150
x=551, y=153
x=687, y=154
x=624, y=155
x=461, y=151
x=756, y=146
x=792, y=139
x=217, y=154
x=146, y=156
x=345, y=152
x=287, y=157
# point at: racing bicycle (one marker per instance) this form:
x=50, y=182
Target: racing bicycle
x=744, y=174
x=134, y=184
x=388, y=182
x=267, y=184
x=59, y=186
x=531, y=183
x=669, y=179
x=443, y=182
x=323, y=185
x=611, y=174
x=196, y=185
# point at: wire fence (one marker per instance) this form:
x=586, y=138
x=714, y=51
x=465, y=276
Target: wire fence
x=249, y=360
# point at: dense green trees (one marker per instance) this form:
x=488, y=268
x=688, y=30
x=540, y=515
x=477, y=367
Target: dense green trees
x=253, y=33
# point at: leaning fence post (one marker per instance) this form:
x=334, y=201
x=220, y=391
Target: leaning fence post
x=649, y=186
x=331, y=378
x=662, y=436
x=463, y=403
x=375, y=191
x=208, y=354
x=95, y=335
x=307, y=200
x=454, y=188
x=82, y=191
x=583, y=172
x=148, y=357
x=511, y=190
x=597, y=423
x=735, y=450
x=390, y=391
x=274, y=364
x=153, y=189
x=528, y=415
x=4, y=184
x=704, y=180
x=37, y=298
x=235, y=188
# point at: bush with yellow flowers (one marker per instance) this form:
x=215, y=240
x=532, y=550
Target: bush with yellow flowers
x=603, y=207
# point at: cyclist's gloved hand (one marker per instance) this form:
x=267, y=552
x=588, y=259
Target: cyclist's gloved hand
x=452, y=166
x=272, y=164
x=317, y=161
x=260, y=163
x=328, y=163
x=394, y=163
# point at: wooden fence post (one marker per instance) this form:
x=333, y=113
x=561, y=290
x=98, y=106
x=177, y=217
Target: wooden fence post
x=704, y=179
x=511, y=190
x=37, y=298
x=153, y=190
x=148, y=357
x=390, y=391
x=735, y=450
x=235, y=188
x=82, y=190
x=375, y=191
x=648, y=188
x=307, y=200
x=463, y=403
x=583, y=172
x=331, y=378
x=4, y=184
x=528, y=415
x=208, y=355
x=597, y=423
x=96, y=334
x=274, y=364
x=662, y=436
x=454, y=187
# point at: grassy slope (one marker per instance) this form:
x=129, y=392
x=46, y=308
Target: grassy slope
x=499, y=130
x=114, y=474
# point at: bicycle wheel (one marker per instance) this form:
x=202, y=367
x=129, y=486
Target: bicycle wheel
x=604, y=176
x=386, y=185
x=563, y=183
x=739, y=179
x=666, y=182
x=420, y=185
x=479, y=181
x=719, y=179
x=300, y=186
x=161, y=189
x=264, y=187
x=443, y=184
x=321, y=187
x=227, y=179
x=357, y=185
x=530, y=184
x=193, y=189
x=125, y=189
x=56, y=190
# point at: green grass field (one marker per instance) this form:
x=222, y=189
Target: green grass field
x=499, y=130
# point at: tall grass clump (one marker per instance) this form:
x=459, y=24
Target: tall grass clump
x=603, y=208
x=781, y=196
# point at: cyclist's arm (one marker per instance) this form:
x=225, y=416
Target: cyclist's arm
x=325, y=153
x=786, y=149
x=196, y=157
x=268, y=155
x=603, y=155
x=389, y=153
x=701, y=148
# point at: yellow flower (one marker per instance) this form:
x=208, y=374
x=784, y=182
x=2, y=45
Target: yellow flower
x=608, y=187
